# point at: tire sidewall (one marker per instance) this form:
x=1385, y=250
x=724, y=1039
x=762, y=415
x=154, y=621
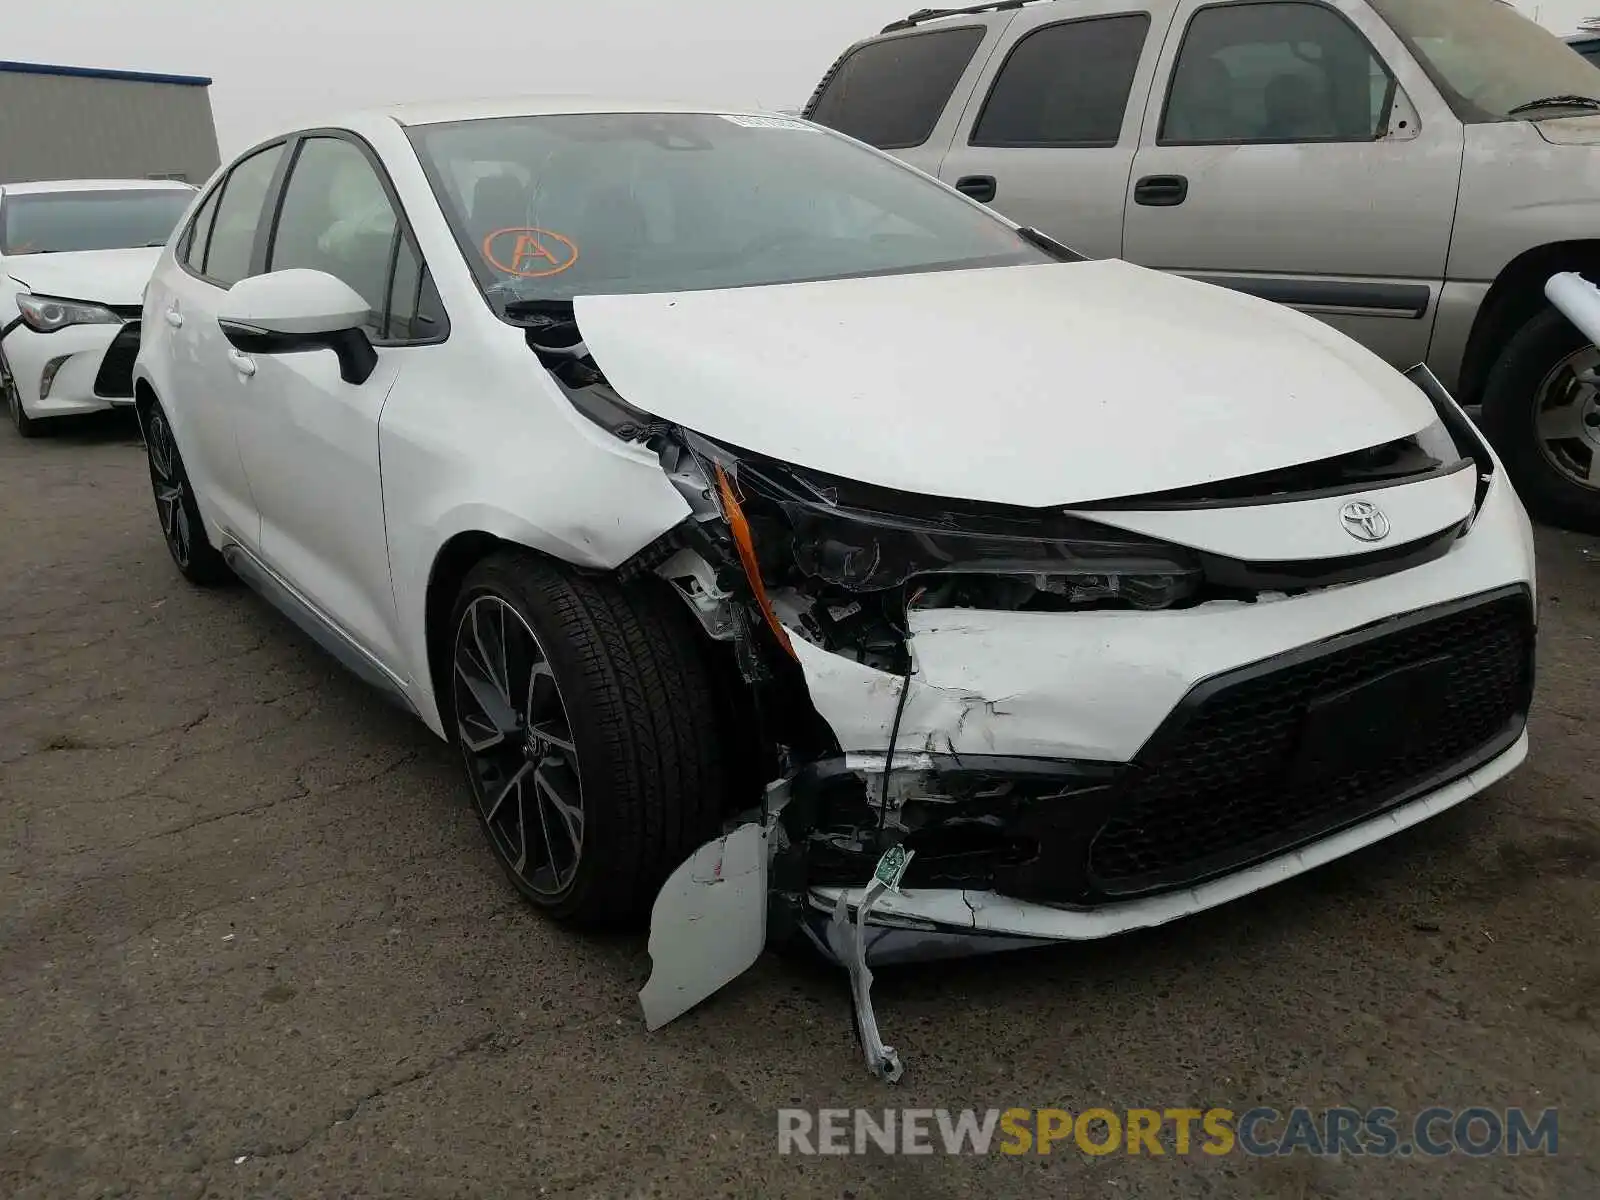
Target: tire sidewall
x=1508, y=419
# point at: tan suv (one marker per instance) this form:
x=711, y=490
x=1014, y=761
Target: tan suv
x=1411, y=171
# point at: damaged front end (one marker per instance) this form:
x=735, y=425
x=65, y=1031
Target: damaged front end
x=802, y=575
x=923, y=718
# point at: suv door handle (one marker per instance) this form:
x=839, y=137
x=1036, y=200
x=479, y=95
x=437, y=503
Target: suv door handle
x=243, y=363
x=981, y=188
x=1161, y=191
x=174, y=317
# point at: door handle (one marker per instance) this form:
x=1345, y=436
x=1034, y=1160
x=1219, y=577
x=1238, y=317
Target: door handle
x=1161, y=191
x=243, y=363
x=174, y=318
x=981, y=188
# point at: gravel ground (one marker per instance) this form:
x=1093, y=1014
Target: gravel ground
x=251, y=945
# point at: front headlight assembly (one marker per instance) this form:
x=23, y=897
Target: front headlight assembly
x=946, y=553
x=47, y=314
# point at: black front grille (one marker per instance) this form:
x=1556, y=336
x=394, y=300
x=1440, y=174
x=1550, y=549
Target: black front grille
x=115, y=377
x=128, y=312
x=1226, y=781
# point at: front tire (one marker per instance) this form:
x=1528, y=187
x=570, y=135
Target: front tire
x=26, y=426
x=181, y=527
x=1541, y=409
x=586, y=717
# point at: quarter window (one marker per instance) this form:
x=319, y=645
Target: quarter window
x=1275, y=72
x=890, y=93
x=198, y=238
x=1065, y=85
x=239, y=212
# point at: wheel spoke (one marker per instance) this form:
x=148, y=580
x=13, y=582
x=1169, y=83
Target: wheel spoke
x=1593, y=477
x=569, y=814
x=488, y=655
x=1563, y=421
x=512, y=785
x=480, y=739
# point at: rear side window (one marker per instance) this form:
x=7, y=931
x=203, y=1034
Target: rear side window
x=890, y=93
x=239, y=214
x=1065, y=85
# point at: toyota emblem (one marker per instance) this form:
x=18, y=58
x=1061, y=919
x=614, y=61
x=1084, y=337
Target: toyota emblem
x=1364, y=520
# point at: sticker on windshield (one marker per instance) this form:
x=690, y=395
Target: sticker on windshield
x=768, y=122
x=528, y=252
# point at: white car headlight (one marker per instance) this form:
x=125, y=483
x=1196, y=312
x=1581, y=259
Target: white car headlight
x=46, y=314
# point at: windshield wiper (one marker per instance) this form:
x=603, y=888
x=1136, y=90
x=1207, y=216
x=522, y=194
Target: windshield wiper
x=1586, y=102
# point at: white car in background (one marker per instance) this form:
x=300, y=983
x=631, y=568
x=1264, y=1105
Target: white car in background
x=74, y=258
x=676, y=465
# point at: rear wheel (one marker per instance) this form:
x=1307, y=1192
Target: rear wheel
x=1541, y=408
x=181, y=526
x=586, y=718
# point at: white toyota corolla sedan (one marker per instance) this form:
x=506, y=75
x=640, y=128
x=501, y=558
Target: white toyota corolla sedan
x=74, y=259
x=763, y=518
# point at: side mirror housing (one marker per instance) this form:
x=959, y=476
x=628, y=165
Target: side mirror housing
x=289, y=312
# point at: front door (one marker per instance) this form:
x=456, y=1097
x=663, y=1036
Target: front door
x=309, y=440
x=1293, y=150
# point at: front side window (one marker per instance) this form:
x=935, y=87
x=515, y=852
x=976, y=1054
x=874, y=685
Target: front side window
x=336, y=217
x=1275, y=72
x=890, y=93
x=1488, y=60
x=554, y=207
x=61, y=222
x=1065, y=85
x=239, y=216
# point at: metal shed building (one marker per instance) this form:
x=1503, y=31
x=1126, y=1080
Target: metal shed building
x=86, y=123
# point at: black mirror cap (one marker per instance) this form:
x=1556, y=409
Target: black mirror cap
x=357, y=357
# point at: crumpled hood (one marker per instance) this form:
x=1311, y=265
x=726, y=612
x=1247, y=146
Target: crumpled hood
x=1039, y=385
x=104, y=276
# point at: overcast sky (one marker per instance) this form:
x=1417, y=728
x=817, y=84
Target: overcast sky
x=276, y=62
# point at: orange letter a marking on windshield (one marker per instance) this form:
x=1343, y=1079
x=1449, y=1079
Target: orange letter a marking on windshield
x=529, y=250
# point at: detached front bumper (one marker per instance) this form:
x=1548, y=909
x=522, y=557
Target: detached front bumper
x=79, y=369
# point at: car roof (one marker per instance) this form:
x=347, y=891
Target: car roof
x=48, y=186
x=487, y=108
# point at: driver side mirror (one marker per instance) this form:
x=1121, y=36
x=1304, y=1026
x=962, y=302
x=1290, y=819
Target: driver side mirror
x=288, y=312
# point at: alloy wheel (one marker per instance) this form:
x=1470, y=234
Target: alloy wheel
x=517, y=741
x=1566, y=415
x=166, y=475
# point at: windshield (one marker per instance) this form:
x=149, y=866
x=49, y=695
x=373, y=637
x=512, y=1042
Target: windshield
x=53, y=222
x=553, y=207
x=1488, y=59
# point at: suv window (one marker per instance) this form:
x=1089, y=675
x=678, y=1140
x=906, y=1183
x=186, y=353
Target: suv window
x=1275, y=72
x=890, y=93
x=233, y=234
x=337, y=217
x=1065, y=85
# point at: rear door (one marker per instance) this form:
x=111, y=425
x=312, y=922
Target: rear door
x=216, y=251
x=1293, y=150
x=905, y=92
x=1050, y=133
x=308, y=439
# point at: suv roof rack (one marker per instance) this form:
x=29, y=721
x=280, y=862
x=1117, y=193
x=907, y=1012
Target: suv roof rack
x=933, y=14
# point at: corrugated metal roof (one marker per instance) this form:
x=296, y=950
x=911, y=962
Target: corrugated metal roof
x=22, y=68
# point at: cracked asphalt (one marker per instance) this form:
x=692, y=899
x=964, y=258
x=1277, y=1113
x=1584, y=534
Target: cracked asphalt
x=251, y=945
